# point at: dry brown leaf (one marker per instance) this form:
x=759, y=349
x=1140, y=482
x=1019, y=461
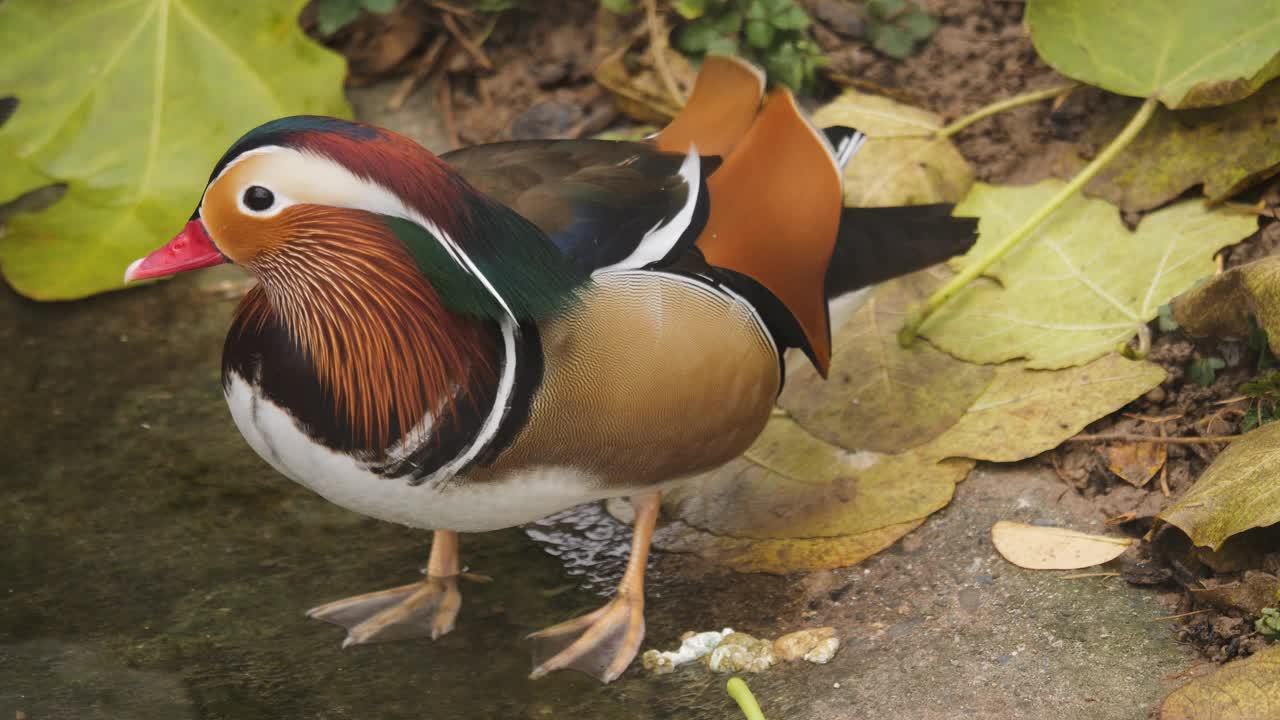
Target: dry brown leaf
x=1222, y=306
x=639, y=90
x=1037, y=547
x=1255, y=591
x=1135, y=463
x=1227, y=149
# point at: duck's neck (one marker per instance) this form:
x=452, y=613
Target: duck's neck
x=349, y=337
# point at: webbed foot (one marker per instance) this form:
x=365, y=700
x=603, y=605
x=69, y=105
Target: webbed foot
x=603, y=643
x=425, y=608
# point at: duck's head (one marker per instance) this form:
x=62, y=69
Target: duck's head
x=291, y=180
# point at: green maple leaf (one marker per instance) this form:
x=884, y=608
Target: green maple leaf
x=130, y=104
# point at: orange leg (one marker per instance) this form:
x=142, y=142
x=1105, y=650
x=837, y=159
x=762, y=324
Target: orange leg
x=428, y=607
x=603, y=643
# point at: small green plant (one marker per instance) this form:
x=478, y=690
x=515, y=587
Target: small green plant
x=333, y=15
x=1264, y=391
x=773, y=33
x=1258, y=343
x=895, y=27
x=1203, y=371
x=1268, y=623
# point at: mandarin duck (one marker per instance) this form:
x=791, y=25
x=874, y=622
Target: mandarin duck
x=473, y=341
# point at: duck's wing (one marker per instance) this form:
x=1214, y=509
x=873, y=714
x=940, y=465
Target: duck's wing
x=605, y=205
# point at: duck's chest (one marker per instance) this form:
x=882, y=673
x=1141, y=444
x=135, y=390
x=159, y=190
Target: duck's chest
x=434, y=502
x=289, y=417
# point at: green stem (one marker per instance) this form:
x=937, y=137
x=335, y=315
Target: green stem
x=739, y=691
x=1006, y=104
x=918, y=314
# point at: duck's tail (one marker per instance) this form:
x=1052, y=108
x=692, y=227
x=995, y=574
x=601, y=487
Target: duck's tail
x=777, y=215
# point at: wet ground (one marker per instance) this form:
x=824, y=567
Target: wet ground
x=151, y=566
x=154, y=567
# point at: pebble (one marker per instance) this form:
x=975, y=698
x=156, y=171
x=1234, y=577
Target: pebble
x=693, y=646
x=728, y=651
x=796, y=645
x=741, y=652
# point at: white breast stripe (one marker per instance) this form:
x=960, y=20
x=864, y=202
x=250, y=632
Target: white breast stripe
x=501, y=403
x=658, y=241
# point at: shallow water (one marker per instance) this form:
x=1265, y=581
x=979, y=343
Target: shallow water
x=154, y=567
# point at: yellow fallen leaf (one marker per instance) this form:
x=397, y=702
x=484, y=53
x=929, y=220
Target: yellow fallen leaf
x=903, y=162
x=1036, y=547
x=1242, y=690
x=1236, y=493
x=780, y=556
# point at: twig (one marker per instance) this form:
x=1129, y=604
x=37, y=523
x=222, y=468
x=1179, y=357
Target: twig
x=1134, y=437
x=1149, y=419
x=657, y=44
x=472, y=48
x=1230, y=400
x=420, y=71
x=1179, y=615
x=844, y=80
x=1121, y=519
x=1077, y=576
x=1259, y=208
x=486, y=96
x=918, y=314
x=451, y=9
x=446, y=109
x=1006, y=104
x=1164, y=467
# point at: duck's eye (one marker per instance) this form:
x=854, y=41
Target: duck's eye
x=258, y=198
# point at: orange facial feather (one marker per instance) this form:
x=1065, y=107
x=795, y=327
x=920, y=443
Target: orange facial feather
x=384, y=347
